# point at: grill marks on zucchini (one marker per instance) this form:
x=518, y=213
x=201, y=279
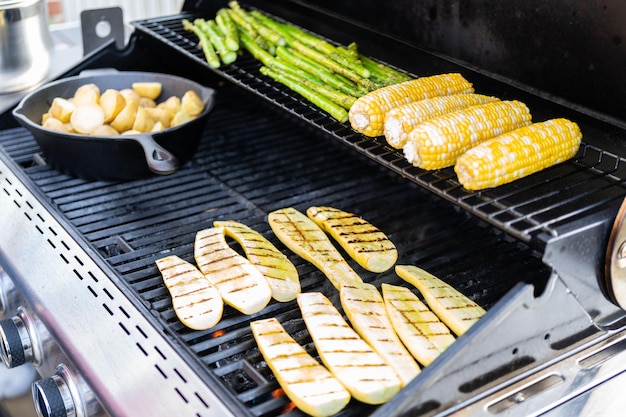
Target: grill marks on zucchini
x=365, y=243
x=302, y=236
x=365, y=309
x=311, y=387
x=196, y=302
x=456, y=310
x=277, y=269
x=348, y=357
x=239, y=282
x=421, y=331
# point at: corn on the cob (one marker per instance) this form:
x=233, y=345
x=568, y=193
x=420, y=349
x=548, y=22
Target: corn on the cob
x=367, y=114
x=516, y=154
x=402, y=119
x=438, y=142
x=307, y=383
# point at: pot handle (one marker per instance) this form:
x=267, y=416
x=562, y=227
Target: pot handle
x=159, y=160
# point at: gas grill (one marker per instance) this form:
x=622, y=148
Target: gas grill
x=95, y=318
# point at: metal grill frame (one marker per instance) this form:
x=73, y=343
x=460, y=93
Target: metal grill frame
x=526, y=209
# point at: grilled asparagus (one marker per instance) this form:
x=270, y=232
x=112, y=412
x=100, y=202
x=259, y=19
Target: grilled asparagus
x=311, y=387
x=457, y=311
x=240, y=284
x=348, y=357
x=365, y=243
x=421, y=331
x=365, y=309
x=278, y=270
x=306, y=239
x=196, y=302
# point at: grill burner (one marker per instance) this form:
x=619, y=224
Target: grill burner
x=249, y=163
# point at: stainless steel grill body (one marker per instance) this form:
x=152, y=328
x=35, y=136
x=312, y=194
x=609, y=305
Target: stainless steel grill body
x=532, y=253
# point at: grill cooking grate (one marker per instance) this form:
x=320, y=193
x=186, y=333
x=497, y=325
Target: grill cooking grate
x=525, y=209
x=248, y=164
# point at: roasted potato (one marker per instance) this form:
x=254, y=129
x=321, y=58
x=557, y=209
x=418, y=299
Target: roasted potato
x=112, y=102
x=86, y=117
x=191, y=103
x=126, y=111
x=126, y=118
x=86, y=94
x=150, y=90
x=62, y=109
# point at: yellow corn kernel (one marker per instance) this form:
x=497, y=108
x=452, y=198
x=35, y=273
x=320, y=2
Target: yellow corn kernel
x=516, y=154
x=438, y=142
x=400, y=120
x=367, y=114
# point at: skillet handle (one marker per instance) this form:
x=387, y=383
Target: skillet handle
x=159, y=160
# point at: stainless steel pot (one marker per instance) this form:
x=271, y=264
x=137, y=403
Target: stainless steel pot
x=25, y=44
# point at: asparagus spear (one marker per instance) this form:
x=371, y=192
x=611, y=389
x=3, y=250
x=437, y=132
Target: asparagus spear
x=227, y=26
x=384, y=71
x=217, y=39
x=244, y=25
x=336, y=97
x=336, y=111
x=209, y=53
x=332, y=65
x=274, y=25
x=310, y=40
x=321, y=72
x=270, y=36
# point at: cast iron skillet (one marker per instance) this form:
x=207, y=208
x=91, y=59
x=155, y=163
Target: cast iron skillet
x=115, y=157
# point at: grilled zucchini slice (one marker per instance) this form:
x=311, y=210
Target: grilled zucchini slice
x=196, y=302
x=277, y=269
x=456, y=310
x=421, y=331
x=311, y=387
x=366, y=311
x=240, y=284
x=365, y=243
x=347, y=356
x=307, y=240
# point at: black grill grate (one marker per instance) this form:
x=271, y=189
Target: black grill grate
x=248, y=164
x=525, y=209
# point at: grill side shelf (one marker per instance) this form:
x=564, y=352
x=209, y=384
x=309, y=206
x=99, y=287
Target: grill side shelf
x=525, y=209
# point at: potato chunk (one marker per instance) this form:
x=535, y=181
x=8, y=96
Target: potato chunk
x=112, y=102
x=62, y=109
x=147, y=89
x=86, y=117
x=191, y=103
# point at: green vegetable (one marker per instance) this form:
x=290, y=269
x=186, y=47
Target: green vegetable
x=333, y=66
x=228, y=28
x=336, y=111
x=384, y=72
x=319, y=71
x=207, y=48
x=339, y=98
x=217, y=39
